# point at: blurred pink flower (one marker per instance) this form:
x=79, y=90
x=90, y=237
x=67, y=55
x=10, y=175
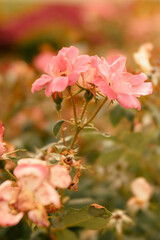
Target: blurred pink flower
x=142, y=192
x=141, y=189
x=9, y=216
x=2, y=148
x=62, y=71
x=59, y=176
x=35, y=190
x=42, y=59
x=115, y=83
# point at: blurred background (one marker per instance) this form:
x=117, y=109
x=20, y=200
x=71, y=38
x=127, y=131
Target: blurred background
x=30, y=33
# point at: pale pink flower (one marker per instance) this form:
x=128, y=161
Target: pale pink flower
x=59, y=176
x=115, y=83
x=30, y=176
x=2, y=148
x=143, y=55
x=141, y=189
x=9, y=216
x=142, y=192
x=35, y=190
x=62, y=71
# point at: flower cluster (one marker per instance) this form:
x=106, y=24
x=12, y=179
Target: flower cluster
x=33, y=193
x=109, y=77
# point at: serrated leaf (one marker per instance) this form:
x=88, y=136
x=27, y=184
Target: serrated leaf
x=66, y=234
x=88, y=217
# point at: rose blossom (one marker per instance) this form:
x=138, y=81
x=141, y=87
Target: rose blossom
x=62, y=71
x=35, y=190
x=115, y=83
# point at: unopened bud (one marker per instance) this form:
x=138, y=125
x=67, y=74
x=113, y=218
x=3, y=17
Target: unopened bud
x=88, y=96
x=57, y=97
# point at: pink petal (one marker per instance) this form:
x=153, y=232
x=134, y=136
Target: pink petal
x=118, y=65
x=6, y=217
x=30, y=169
x=71, y=53
x=128, y=101
x=7, y=191
x=41, y=82
x=39, y=216
x=73, y=78
x=105, y=89
x=30, y=176
x=25, y=200
x=82, y=60
x=134, y=79
x=46, y=194
x=104, y=70
x=2, y=148
x=1, y=131
x=58, y=84
x=142, y=89
x=59, y=176
x=31, y=161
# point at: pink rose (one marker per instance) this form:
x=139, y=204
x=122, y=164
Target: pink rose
x=115, y=83
x=62, y=71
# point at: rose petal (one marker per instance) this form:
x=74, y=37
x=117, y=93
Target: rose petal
x=128, y=101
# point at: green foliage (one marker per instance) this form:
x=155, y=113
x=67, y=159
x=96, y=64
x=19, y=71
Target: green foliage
x=88, y=217
x=57, y=127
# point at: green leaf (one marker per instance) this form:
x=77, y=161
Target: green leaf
x=90, y=217
x=66, y=234
x=57, y=127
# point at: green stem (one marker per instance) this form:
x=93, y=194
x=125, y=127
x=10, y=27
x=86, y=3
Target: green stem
x=10, y=174
x=74, y=94
x=84, y=109
x=73, y=104
x=75, y=136
x=95, y=113
x=79, y=128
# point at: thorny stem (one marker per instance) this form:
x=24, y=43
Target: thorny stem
x=73, y=104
